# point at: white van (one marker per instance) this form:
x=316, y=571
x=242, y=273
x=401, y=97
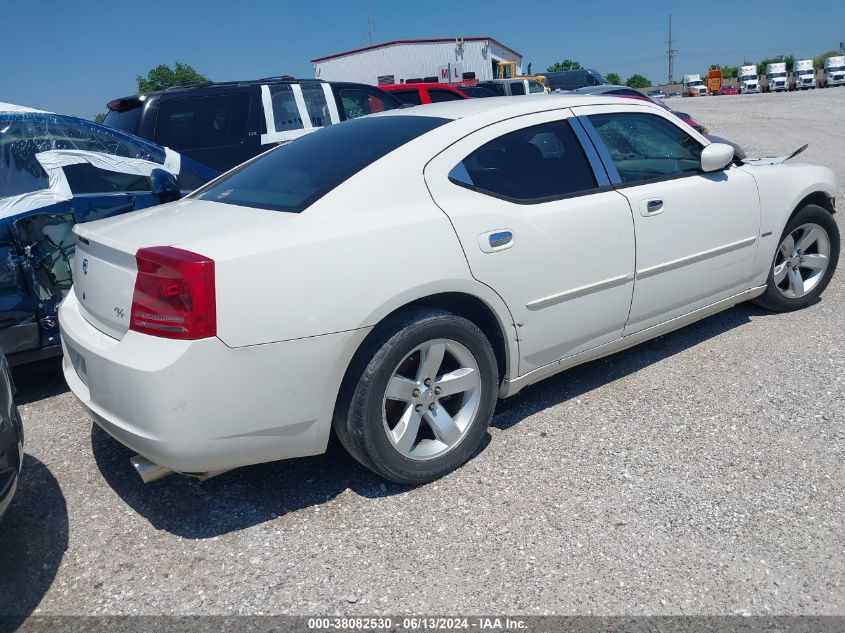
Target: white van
x=776, y=77
x=694, y=86
x=803, y=75
x=510, y=87
x=834, y=71
x=749, y=82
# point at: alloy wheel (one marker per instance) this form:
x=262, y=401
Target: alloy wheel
x=432, y=399
x=801, y=260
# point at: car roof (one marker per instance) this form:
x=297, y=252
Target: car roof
x=506, y=107
x=428, y=85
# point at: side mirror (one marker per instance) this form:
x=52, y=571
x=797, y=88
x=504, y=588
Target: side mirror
x=165, y=186
x=716, y=156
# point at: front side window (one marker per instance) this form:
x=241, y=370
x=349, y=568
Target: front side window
x=357, y=102
x=534, y=164
x=535, y=87
x=292, y=177
x=438, y=96
x=202, y=122
x=646, y=146
x=86, y=178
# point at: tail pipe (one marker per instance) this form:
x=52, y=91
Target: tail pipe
x=147, y=470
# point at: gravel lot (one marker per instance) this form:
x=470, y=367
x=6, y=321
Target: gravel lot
x=700, y=473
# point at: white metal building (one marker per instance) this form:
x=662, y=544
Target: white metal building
x=401, y=61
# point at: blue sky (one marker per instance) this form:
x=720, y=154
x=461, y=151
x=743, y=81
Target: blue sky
x=74, y=61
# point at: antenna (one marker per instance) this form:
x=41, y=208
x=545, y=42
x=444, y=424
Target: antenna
x=671, y=53
x=371, y=26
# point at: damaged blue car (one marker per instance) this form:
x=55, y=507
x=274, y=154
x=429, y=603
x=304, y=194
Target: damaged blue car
x=56, y=171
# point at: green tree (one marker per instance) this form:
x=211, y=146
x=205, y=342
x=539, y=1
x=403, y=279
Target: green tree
x=730, y=71
x=637, y=81
x=100, y=117
x=613, y=78
x=566, y=64
x=818, y=61
x=163, y=76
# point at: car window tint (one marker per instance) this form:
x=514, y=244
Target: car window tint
x=532, y=164
x=202, y=122
x=126, y=120
x=517, y=88
x=85, y=178
x=409, y=97
x=315, y=104
x=285, y=112
x=646, y=146
x=357, y=102
x=437, y=96
x=293, y=176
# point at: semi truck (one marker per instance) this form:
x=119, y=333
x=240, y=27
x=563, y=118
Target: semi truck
x=714, y=81
x=694, y=86
x=834, y=71
x=776, y=77
x=803, y=75
x=749, y=82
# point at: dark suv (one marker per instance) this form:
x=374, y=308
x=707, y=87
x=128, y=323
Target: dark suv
x=574, y=79
x=223, y=124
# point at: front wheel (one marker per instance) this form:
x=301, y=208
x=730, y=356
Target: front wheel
x=804, y=261
x=419, y=396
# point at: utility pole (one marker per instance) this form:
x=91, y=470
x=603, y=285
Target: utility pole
x=671, y=52
x=371, y=27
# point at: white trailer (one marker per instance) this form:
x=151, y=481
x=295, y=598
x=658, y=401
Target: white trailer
x=694, y=86
x=776, y=80
x=834, y=71
x=803, y=75
x=749, y=82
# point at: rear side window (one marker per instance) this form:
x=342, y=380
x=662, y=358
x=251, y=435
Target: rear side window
x=285, y=113
x=517, y=88
x=202, y=122
x=646, y=146
x=357, y=102
x=315, y=104
x=293, y=176
x=438, y=96
x=408, y=97
x=531, y=165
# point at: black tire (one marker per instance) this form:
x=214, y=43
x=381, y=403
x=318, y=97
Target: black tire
x=359, y=414
x=773, y=299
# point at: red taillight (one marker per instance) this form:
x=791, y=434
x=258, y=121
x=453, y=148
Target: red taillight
x=174, y=294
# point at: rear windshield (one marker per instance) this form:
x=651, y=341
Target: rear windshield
x=292, y=177
x=126, y=120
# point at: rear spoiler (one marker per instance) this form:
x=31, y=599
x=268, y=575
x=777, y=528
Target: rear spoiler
x=775, y=160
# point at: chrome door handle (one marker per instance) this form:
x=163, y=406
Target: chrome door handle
x=651, y=207
x=502, y=238
x=498, y=240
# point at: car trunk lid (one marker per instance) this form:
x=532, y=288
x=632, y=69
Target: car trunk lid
x=105, y=267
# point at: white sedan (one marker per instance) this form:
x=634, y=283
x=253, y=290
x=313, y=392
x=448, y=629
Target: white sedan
x=386, y=279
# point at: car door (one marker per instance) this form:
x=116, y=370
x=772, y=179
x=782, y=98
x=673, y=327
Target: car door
x=540, y=226
x=697, y=232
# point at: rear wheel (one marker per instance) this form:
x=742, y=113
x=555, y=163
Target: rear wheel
x=804, y=261
x=419, y=396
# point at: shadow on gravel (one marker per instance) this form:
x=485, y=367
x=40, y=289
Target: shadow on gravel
x=39, y=380
x=33, y=540
x=239, y=498
x=248, y=496
x=583, y=378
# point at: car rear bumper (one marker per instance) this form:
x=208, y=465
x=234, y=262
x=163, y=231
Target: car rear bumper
x=201, y=406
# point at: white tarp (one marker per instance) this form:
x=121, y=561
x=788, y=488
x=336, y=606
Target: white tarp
x=53, y=162
x=11, y=107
